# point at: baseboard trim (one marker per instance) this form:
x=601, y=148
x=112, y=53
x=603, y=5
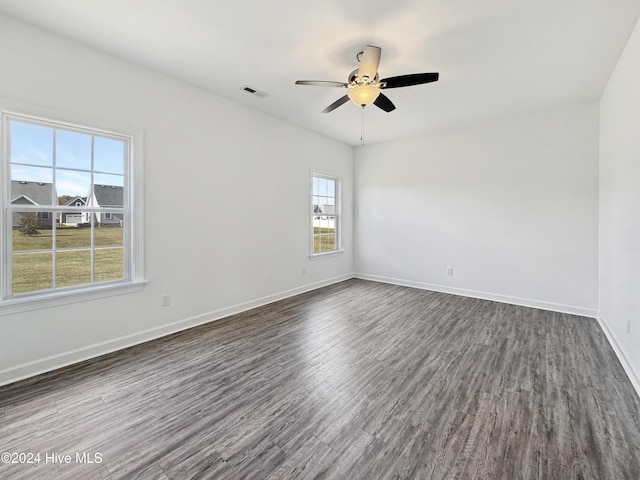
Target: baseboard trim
x=44, y=365
x=628, y=368
x=524, y=302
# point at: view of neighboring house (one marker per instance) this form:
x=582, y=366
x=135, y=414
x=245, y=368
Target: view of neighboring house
x=33, y=193
x=324, y=209
x=40, y=193
x=73, y=218
x=107, y=196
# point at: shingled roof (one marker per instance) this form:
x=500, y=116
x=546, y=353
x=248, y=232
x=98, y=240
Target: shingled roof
x=38, y=192
x=109, y=195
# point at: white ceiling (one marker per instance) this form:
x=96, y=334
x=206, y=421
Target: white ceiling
x=495, y=57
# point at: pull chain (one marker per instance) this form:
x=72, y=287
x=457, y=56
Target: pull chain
x=362, y=127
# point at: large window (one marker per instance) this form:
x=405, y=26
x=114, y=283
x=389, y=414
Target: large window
x=68, y=220
x=325, y=210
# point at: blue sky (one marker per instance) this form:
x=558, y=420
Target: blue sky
x=32, y=158
x=323, y=191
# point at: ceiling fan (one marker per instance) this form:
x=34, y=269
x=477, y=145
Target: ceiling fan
x=364, y=84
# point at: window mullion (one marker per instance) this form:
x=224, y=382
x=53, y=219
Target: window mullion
x=91, y=188
x=54, y=201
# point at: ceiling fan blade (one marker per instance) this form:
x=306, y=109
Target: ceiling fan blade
x=384, y=103
x=369, y=62
x=336, y=104
x=321, y=83
x=408, y=80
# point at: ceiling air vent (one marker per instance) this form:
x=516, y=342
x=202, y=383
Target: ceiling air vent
x=255, y=92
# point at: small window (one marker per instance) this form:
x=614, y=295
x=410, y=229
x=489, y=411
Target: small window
x=325, y=214
x=51, y=248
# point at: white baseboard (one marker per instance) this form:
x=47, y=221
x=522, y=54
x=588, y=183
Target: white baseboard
x=628, y=368
x=31, y=369
x=524, y=302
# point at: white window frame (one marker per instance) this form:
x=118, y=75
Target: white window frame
x=133, y=235
x=338, y=214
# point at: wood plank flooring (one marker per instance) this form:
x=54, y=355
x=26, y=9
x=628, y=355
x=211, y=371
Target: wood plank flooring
x=358, y=380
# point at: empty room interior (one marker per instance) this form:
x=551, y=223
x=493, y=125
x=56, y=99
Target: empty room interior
x=338, y=240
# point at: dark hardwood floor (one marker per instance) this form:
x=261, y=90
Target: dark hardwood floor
x=358, y=380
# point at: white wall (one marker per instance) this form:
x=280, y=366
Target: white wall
x=620, y=208
x=226, y=200
x=511, y=204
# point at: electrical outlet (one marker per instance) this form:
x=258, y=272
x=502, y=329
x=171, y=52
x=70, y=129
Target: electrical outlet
x=449, y=270
x=304, y=270
x=166, y=300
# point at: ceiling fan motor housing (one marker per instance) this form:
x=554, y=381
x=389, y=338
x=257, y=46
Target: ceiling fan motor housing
x=353, y=79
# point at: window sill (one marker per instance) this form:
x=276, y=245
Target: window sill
x=333, y=253
x=53, y=299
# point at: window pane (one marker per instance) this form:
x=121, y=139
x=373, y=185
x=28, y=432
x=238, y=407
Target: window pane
x=31, y=144
x=32, y=272
x=325, y=225
x=32, y=231
x=109, y=264
x=106, y=181
x=322, y=186
x=73, y=268
x=328, y=206
x=109, y=155
x=328, y=243
x=110, y=230
x=331, y=188
x=331, y=225
x=73, y=236
x=31, y=185
x=24, y=173
x=331, y=242
x=323, y=241
x=73, y=150
x=71, y=184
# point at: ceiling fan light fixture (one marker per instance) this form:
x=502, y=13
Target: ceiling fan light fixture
x=363, y=94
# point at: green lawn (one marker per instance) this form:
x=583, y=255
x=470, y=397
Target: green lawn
x=324, y=239
x=68, y=237
x=34, y=271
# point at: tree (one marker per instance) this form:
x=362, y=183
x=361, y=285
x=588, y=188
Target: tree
x=63, y=199
x=29, y=225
